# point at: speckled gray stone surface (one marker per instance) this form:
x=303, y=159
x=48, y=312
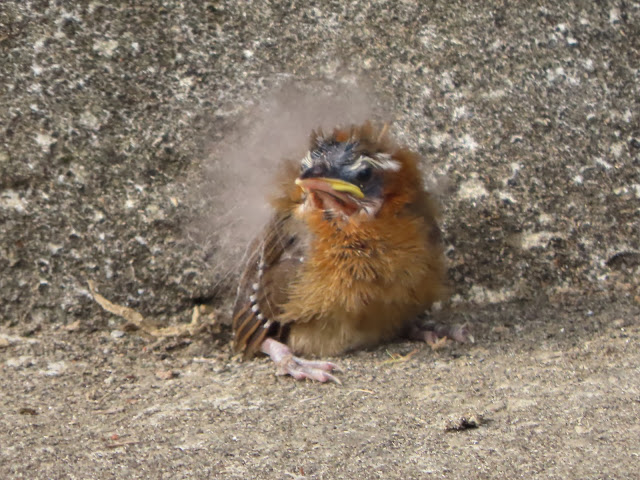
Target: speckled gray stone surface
x=529, y=112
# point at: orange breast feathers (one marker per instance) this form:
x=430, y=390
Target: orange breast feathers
x=352, y=254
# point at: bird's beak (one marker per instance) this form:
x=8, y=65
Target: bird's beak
x=329, y=185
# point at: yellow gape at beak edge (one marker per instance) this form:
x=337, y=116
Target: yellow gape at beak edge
x=336, y=184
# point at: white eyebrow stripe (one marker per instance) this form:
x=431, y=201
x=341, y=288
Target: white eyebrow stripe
x=306, y=160
x=356, y=165
x=388, y=163
x=382, y=161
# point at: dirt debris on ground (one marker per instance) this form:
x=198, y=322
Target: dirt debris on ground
x=537, y=398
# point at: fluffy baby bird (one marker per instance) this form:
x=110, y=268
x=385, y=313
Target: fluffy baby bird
x=350, y=258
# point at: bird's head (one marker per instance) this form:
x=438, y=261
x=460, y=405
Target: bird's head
x=357, y=171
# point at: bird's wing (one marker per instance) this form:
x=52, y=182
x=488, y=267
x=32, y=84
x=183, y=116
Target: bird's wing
x=272, y=262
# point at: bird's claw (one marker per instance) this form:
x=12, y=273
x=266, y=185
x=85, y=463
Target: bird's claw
x=435, y=334
x=460, y=333
x=299, y=368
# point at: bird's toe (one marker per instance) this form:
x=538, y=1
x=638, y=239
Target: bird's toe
x=299, y=368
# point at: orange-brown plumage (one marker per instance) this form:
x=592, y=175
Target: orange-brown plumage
x=351, y=256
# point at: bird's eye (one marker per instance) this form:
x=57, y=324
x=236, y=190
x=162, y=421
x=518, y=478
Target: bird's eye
x=364, y=174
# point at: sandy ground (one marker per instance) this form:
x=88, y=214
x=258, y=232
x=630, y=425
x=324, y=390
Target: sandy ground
x=553, y=391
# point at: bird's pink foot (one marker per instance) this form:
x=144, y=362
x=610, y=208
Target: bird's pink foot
x=297, y=367
x=434, y=333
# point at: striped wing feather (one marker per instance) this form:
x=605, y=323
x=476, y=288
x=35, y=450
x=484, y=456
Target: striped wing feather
x=272, y=262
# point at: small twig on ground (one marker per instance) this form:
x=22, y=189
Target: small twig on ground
x=397, y=358
x=135, y=318
x=109, y=412
x=360, y=390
